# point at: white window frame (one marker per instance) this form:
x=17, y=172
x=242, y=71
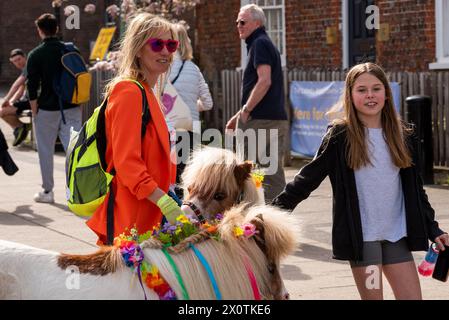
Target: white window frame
x=284, y=44
x=441, y=35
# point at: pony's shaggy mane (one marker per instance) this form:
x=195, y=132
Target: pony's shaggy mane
x=213, y=169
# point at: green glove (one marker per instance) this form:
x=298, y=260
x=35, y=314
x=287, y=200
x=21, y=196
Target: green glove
x=169, y=208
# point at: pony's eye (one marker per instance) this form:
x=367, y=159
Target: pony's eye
x=219, y=196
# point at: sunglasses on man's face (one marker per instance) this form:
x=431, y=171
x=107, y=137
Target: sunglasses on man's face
x=240, y=23
x=157, y=45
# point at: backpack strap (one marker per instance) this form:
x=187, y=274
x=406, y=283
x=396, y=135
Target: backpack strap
x=146, y=117
x=65, y=48
x=146, y=114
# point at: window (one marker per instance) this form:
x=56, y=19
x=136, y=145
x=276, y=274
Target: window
x=275, y=25
x=442, y=35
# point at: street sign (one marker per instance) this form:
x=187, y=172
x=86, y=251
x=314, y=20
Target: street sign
x=102, y=43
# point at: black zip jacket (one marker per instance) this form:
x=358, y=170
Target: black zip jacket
x=347, y=237
x=44, y=67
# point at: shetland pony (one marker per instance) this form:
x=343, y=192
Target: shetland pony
x=31, y=273
x=214, y=180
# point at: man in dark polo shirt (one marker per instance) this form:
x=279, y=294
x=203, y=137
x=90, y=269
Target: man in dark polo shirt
x=262, y=118
x=44, y=66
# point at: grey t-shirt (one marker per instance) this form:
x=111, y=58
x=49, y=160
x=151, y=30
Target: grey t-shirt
x=379, y=191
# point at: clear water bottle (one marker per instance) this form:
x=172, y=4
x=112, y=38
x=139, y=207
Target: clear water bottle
x=426, y=267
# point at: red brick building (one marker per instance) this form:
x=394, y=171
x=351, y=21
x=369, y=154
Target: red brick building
x=412, y=35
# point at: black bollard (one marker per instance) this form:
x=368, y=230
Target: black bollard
x=419, y=112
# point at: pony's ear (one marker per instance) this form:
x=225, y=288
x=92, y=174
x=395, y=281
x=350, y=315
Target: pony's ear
x=243, y=172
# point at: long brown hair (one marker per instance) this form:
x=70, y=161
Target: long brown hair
x=393, y=128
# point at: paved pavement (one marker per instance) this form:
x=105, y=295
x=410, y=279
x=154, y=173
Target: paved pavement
x=309, y=273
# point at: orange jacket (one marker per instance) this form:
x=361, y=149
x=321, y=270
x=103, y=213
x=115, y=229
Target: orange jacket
x=141, y=165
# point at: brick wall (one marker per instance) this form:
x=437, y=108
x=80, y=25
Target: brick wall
x=17, y=29
x=411, y=46
x=306, y=24
x=217, y=45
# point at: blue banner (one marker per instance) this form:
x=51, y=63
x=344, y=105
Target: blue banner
x=310, y=101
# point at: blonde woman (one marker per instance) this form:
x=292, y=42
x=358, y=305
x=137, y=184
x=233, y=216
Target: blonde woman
x=380, y=210
x=143, y=170
x=189, y=82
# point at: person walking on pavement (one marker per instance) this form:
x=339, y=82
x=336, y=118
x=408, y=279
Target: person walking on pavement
x=189, y=82
x=262, y=98
x=16, y=100
x=43, y=67
x=143, y=169
x=380, y=209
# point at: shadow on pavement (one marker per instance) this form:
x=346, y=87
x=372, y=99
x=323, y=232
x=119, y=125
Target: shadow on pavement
x=60, y=206
x=292, y=272
x=312, y=252
x=26, y=216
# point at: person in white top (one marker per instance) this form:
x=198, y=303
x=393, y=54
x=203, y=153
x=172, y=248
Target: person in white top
x=189, y=82
x=187, y=78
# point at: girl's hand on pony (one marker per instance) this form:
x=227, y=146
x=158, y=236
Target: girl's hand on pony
x=442, y=240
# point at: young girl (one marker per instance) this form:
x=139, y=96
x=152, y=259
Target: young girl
x=380, y=210
x=142, y=164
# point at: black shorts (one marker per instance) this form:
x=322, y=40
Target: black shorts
x=21, y=106
x=384, y=252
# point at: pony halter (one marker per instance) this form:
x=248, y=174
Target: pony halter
x=196, y=210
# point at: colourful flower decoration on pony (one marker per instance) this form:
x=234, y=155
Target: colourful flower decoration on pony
x=168, y=235
x=258, y=177
x=133, y=257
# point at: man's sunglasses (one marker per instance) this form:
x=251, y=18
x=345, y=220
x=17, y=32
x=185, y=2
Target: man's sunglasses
x=157, y=45
x=240, y=23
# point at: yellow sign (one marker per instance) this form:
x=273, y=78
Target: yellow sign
x=331, y=35
x=102, y=44
x=384, y=32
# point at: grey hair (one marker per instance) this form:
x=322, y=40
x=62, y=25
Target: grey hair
x=256, y=12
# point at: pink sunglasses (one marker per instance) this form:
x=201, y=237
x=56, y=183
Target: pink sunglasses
x=157, y=45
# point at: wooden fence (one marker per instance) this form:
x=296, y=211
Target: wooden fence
x=99, y=80
x=226, y=91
